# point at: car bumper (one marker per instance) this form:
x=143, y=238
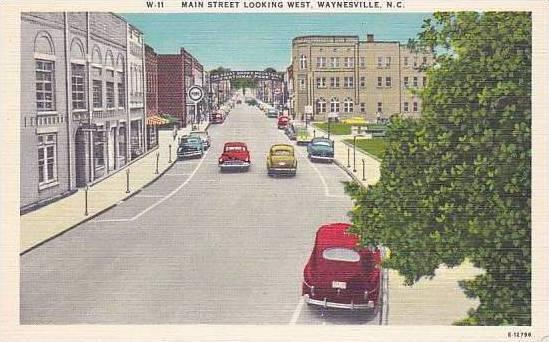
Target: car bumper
x=242, y=165
x=283, y=170
x=327, y=304
x=189, y=154
x=313, y=157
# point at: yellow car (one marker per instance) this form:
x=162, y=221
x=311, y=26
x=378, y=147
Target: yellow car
x=281, y=160
x=302, y=136
x=355, y=120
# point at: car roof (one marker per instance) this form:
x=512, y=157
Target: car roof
x=335, y=235
x=282, y=147
x=235, y=143
x=199, y=132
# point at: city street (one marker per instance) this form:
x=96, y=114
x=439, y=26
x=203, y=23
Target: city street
x=196, y=246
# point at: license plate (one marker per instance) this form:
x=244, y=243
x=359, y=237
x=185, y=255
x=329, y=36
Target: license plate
x=282, y=163
x=339, y=285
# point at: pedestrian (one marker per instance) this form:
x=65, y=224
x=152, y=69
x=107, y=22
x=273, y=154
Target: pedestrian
x=174, y=131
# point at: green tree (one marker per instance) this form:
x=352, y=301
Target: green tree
x=456, y=184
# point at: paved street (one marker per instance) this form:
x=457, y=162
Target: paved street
x=196, y=246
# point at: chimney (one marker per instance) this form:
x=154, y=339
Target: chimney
x=370, y=38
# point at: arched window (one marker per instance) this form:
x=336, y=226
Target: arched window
x=44, y=54
x=77, y=51
x=303, y=62
x=43, y=44
x=96, y=57
x=321, y=105
x=334, y=105
x=348, y=105
x=78, y=75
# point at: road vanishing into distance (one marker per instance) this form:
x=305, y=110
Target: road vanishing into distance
x=197, y=246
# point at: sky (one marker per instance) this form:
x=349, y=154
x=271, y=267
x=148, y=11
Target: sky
x=245, y=41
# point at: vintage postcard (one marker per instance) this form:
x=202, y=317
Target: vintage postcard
x=255, y=170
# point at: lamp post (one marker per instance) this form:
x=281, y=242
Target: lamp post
x=86, y=200
x=127, y=181
x=354, y=153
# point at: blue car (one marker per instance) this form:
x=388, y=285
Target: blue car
x=321, y=149
x=190, y=146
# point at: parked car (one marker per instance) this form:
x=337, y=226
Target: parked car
x=272, y=113
x=303, y=137
x=290, y=131
x=204, y=136
x=217, y=118
x=283, y=122
x=235, y=156
x=340, y=274
x=190, y=146
x=281, y=160
x=321, y=149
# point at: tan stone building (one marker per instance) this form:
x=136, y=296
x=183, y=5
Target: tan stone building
x=344, y=75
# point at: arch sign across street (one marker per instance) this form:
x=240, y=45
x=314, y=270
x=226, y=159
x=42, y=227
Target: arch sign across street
x=195, y=93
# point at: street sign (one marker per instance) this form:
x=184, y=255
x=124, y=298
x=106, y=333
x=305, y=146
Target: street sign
x=308, y=109
x=196, y=93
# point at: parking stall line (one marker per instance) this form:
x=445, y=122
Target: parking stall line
x=297, y=311
x=164, y=198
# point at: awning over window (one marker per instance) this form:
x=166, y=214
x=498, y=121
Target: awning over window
x=156, y=120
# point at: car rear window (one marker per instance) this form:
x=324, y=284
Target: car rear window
x=234, y=148
x=281, y=153
x=341, y=254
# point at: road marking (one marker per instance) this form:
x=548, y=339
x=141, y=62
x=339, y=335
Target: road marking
x=297, y=311
x=154, y=205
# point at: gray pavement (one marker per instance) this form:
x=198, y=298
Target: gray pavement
x=196, y=246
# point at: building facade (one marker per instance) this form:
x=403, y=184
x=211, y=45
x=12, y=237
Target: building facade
x=75, y=108
x=176, y=74
x=151, y=67
x=350, y=77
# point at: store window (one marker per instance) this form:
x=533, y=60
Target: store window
x=47, y=159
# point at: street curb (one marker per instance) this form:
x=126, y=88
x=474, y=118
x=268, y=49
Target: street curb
x=350, y=173
x=100, y=212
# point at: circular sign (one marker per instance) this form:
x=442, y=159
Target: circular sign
x=196, y=93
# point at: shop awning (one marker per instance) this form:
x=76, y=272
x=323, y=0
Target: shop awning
x=156, y=120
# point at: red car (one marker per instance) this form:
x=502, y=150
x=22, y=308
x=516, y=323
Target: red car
x=217, y=118
x=283, y=122
x=339, y=273
x=235, y=156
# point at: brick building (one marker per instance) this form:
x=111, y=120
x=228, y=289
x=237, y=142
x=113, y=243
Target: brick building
x=176, y=74
x=351, y=77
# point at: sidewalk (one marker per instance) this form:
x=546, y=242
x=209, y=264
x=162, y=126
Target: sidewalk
x=51, y=220
x=437, y=301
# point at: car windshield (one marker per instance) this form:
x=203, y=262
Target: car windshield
x=341, y=254
x=191, y=140
x=322, y=143
x=234, y=148
x=281, y=153
x=200, y=134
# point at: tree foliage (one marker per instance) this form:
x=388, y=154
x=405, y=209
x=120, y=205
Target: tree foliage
x=456, y=184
